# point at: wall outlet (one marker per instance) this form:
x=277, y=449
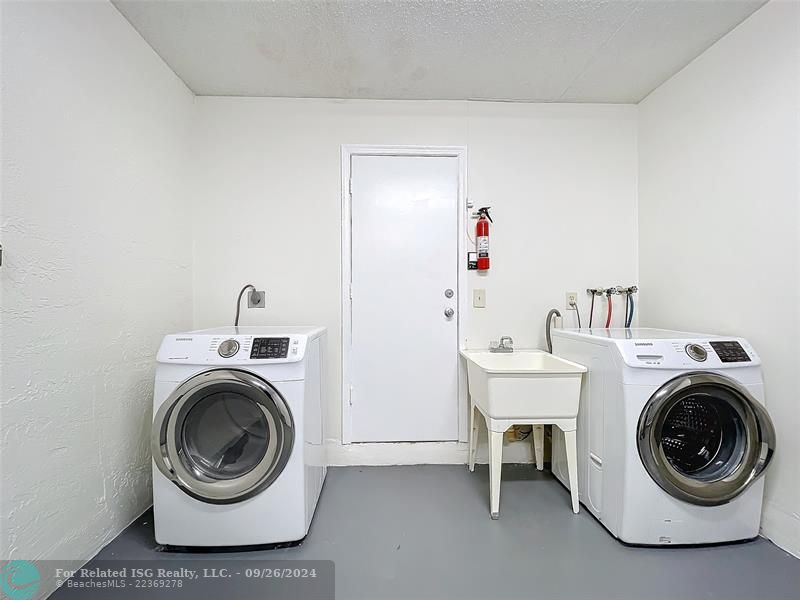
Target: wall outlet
x=572, y=300
x=479, y=298
x=257, y=299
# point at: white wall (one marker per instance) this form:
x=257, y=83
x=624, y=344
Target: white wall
x=96, y=268
x=718, y=194
x=561, y=180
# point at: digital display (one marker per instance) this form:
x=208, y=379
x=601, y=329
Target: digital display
x=729, y=352
x=270, y=348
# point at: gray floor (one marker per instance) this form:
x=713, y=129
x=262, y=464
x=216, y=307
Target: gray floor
x=425, y=532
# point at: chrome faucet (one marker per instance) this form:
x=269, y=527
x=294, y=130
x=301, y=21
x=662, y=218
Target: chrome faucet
x=506, y=344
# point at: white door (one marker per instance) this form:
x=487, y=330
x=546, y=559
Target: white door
x=404, y=352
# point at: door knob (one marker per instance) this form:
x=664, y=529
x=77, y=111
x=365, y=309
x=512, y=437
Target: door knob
x=448, y=293
x=449, y=312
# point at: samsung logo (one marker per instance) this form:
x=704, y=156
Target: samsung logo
x=643, y=343
x=183, y=339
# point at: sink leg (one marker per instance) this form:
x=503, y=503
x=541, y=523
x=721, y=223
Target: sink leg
x=538, y=446
x=495, y=466
x=570, y=444
x=473, y=436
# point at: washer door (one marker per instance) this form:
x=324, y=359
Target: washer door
x=704, y=439
x=223, y=436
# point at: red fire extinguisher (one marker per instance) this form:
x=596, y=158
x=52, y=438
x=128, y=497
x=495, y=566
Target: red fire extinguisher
x=482, y=237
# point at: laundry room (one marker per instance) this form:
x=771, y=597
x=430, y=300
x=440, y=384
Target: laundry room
x=400, y=299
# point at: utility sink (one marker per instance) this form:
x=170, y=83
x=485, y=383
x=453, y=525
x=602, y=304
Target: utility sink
x=523, y=383
x=523, y=387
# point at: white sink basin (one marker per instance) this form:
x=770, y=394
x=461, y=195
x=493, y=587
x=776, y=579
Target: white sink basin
x=523, y=384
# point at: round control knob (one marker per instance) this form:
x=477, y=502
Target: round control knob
x=228, y=348
x=696, y=352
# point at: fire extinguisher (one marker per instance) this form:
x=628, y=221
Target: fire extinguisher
x=482, y=237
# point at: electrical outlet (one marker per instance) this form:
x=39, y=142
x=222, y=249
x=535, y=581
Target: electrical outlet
x=572, y=300
x=479, y=298
x=257, y=299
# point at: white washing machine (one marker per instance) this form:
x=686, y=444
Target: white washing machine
x=673, y=437
x=238, y=440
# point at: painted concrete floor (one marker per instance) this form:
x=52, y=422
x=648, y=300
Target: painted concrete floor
x=425, y=532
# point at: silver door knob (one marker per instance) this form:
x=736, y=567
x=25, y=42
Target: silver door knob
x=448, y=293
x=449, y=312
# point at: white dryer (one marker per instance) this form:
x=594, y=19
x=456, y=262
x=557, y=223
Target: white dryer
x=238, y=441
x=673, y=436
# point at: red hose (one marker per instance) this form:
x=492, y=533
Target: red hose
x=608, y=318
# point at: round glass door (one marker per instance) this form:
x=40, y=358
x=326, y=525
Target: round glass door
x=223, y=436
x=704, y=439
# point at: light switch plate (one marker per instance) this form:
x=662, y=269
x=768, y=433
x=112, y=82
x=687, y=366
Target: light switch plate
x=257, y=299
x=479, y=298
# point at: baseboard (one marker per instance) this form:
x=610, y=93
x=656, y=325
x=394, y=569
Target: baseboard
x=419, y=453
x=781, y=528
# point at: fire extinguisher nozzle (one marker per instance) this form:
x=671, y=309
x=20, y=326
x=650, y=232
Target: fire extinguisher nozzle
x=483, y=211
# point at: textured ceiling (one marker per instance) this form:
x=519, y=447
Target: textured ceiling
x=542, y=50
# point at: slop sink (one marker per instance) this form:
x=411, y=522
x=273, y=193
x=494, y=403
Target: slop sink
x=523, y=383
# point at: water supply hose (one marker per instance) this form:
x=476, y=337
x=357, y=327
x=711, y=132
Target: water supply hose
x=610, y=309
x=627, y=306
x=630, y=313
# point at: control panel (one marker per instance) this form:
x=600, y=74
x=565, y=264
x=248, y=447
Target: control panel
x=730, y=352
x=230, y=346
x=688, y=353
x=269, y=347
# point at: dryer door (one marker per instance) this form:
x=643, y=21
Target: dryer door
x=223, y=436
x=704, y=439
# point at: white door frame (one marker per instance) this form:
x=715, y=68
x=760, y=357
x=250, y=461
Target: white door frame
x=348, y=151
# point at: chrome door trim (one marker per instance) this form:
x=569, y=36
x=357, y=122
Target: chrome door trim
x=756, y=455
x=169, y=418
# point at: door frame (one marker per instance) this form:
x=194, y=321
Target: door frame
x=348, y=151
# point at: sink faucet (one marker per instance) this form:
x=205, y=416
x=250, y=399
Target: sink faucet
x=506, y=344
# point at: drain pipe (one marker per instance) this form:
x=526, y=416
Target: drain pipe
x=549, y=325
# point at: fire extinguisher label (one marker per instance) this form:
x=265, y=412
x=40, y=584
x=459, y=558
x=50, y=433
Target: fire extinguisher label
x=483, y=246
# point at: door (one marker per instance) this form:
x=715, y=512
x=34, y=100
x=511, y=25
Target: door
x=704, y=439
x=404, y=324
x=223, y=436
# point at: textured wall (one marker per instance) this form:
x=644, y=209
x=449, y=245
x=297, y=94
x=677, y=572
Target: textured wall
x=719, y=219
x=96, y=268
